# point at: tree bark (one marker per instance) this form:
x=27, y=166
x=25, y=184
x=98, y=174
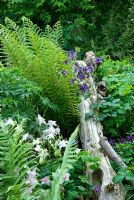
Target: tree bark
x=90, y=134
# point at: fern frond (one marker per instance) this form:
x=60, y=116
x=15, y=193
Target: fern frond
x=69, y=158
x=16, y=157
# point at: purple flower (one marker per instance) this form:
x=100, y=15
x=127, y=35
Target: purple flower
x=98, y=61
x=66, y=176
x=91, y=68
x=76, y=68
x=122, y=140
x=66, y=62
x=71, y=54
x=64, y=72
x=130, y=138
x=112, y=142
x=84, y=69
x=84, y=88
x=81, y=76
x=72, y=81
x=46, y=180
x=97, y=188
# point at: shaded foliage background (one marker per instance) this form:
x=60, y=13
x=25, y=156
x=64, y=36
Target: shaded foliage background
x=98, y=25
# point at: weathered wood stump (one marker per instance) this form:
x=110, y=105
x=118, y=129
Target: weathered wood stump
x=90, y=134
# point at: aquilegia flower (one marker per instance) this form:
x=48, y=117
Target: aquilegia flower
x=37, y=148
x=72, y=80
x=91, y=68
x=97, y=188
x=51, y=123
x=130, y=138
x=98, y=61
x=66, y=176
x=46, y=180
x=112, y=142
x=40, y=120
x=62, y=143
x=31, y=180
x=64, y=72
x=10, y=122
x=25, y=137
x=71, y=54
x=84, y=88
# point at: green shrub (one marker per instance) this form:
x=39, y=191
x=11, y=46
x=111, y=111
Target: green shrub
x=116, y=109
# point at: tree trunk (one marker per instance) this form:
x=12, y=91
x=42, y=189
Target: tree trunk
x=90, y=134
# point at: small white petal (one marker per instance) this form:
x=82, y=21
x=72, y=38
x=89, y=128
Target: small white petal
x=25, y=136
x=10, y=122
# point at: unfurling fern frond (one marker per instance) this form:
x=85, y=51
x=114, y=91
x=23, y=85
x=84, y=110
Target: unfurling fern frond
x=69, y=158
x=16, y=157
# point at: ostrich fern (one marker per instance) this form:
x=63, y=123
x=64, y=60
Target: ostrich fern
x=41, y=59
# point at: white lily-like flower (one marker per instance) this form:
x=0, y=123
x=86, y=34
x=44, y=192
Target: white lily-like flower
x=36, y=142
x=37, y=148
x=19, y=128
x=49, y=133
x=77, y=150
x=25, y=136
x=57, y=131
x=40, y=120
x=10, y=122
x=50, y=136
x=62, y=143
x=51, y=123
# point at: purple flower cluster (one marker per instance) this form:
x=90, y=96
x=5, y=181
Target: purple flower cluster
x=31, y=181
x=122, y=140
x=82, y=73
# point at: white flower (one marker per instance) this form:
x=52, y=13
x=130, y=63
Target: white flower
x=10, y=122
x=50, y=136
x=19, y=128
x=57, y=131
x=49, y=133
x=66, y=176
x=42, y=155
x=51, y=123
x=25, y=136
x=62, y=143
x=77, y=151
x=37, y=141
x=37, y=148
x=40, y=120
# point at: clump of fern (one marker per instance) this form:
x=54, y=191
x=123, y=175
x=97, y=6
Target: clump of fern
x=41, y=59
x=16, y=157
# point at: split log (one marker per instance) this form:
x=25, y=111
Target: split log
x=90, y=134
x=108, y=149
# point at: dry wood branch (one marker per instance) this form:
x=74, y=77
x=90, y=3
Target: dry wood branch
x=111, y=152
x=90, y=134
